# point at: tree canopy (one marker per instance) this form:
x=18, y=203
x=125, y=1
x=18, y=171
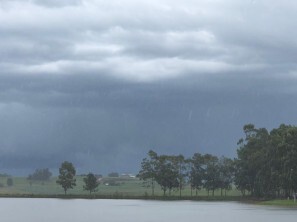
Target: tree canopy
x=267, y=161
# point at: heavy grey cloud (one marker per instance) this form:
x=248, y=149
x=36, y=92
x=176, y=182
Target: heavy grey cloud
x=57, y=3
x=101, y=82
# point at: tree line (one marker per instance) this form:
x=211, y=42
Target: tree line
x=266, y=165
x=267, y=161
x=40, y=175
x=175, y=172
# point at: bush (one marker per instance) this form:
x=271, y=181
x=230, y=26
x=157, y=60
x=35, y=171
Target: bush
x=9, y=182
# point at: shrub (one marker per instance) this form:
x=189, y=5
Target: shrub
x=9, y=182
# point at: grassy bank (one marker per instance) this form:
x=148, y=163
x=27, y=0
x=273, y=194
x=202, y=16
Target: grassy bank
x=126, y=197
x=278, y=202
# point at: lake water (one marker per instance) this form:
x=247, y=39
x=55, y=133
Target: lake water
x=56, y=210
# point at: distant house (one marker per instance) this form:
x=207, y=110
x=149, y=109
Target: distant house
x=99, y=180
x=127, y=175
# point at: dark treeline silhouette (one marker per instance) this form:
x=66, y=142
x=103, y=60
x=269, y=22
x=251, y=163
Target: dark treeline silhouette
x=40, y=175
x=266, y=166
x=267, y=161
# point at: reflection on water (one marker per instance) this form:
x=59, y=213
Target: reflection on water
x=38, y=210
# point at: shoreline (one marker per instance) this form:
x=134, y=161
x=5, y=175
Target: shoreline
x=117, y=196
x=247, y=200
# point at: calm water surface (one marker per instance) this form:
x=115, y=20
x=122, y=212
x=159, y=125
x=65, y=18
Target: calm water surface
x=39, y=210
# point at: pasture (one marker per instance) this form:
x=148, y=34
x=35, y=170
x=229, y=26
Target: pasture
x=125, y=187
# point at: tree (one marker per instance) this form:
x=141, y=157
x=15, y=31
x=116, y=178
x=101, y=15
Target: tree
x=167, y=173
x=66, y=177
x=91, y=183
x=226, y=177
x=148, y=169
x=212, y=174
x=251, y=173
x=40, y=175
x=196, y=172
x=181, y=167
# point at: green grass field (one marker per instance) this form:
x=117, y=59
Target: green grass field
x=127, y=188
x=124, y=187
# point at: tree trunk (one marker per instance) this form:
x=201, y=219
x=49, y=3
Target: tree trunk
x=180, y=192
x=153, y=188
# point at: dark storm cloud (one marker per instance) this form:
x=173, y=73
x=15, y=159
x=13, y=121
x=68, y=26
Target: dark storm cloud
x=102, y=82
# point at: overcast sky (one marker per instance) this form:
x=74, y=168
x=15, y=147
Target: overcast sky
x=99, y=83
